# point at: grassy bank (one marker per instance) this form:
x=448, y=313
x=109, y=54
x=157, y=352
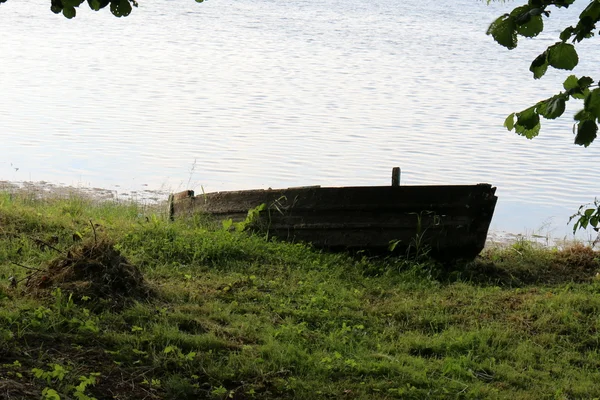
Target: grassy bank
x=223, y=315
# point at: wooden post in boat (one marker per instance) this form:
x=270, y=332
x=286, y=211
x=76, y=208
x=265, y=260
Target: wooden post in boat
x=396, y=176
x=171, y=208
x=173, y=198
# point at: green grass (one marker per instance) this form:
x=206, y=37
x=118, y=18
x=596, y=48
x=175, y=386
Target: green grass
x=235, y=316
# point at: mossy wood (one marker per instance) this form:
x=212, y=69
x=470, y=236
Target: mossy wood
x=451, y=221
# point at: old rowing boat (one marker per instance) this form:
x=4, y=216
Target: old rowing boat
x=450, y=221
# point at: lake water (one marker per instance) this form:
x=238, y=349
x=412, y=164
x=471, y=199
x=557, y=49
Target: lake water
x=246, y=94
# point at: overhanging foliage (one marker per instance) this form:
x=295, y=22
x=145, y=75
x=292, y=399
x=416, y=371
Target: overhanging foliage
x=68, y=8
x=528, y=21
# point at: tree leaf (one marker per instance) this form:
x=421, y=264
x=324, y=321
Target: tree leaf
x=571, y=82
x=594, y=221
x=531, y=28
x=585, y=81
x=56, y=6
x=96, y=5
x=509, y=122
x=567, y=33
x=582, y=89
x=71, y=3
x=582, y=115
x=562, y=56
x=552, y=108
x=591, y=12
x=69, y=12
x=528, y=118
x=556, y=108
x=504, y=31
x=521, y=14
x=592, y=103
x=539, y=66
x=528, y=133
x=120, y=8
x=528, y=123
x=586, y=132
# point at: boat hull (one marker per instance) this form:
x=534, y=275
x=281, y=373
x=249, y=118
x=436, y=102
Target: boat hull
x=448, y=221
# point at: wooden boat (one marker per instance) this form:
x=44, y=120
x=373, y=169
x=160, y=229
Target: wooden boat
x=449, y=221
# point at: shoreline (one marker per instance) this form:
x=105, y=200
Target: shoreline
x=44, y=189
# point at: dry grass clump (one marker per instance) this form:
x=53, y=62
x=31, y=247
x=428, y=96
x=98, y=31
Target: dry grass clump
x=527, y=264
x=94, y=269
x=578, y=263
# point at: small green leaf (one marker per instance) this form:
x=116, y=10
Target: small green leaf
x=592, y=12
x=581, y=94
x=509, y=122
x=393, y=244
x=528, y=118
x=571, y=82
x=120, y=8
x=96, y=5
x=56, y=6
x=50, y=394
x=566, y=34
x=532, y=28
x=69, y=12
x=528, y=133
x=539, y=66
x=528, y=123
x=552, y=108
x=563, y=56
x=582, y=89
x=37, y=372
x=227, y=224
x=521, y=14
x=592, y=103
x=169, y=349
x=583, y=115
x=504, y=31
x=586, y=132
x=71, y=3
x=585, y=81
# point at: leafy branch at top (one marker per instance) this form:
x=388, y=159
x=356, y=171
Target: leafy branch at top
x=528, y=21
x=68, y=8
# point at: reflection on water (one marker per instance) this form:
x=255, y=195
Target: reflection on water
x=248, y=94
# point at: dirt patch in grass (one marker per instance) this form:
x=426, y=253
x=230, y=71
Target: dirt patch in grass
x=18, y=381
x=13, y=389
x=94, y=270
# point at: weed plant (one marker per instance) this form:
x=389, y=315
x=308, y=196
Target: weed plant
x=237, y=316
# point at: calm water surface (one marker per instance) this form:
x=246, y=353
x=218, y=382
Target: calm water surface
x=270, y=93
